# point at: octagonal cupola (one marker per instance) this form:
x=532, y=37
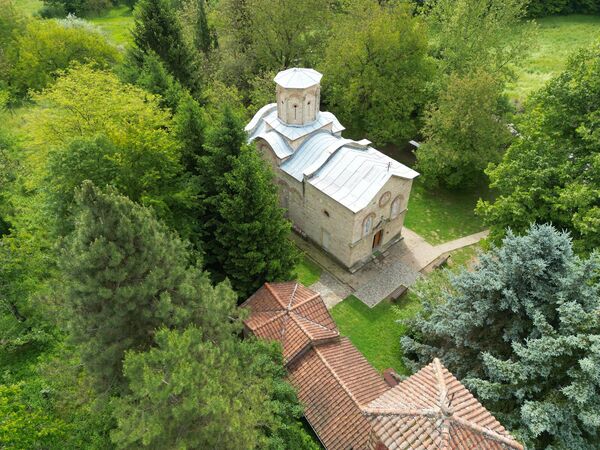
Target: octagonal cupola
x=298, y=95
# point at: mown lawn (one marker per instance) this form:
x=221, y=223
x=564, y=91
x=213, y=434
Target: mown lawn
x=307, y=272
x=558, y=37
x=441, y=215
x=374, y=331
x=117, y=23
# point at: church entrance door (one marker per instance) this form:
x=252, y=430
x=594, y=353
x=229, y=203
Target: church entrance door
x=377, y=238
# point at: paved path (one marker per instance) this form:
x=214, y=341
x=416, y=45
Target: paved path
x=402, y=265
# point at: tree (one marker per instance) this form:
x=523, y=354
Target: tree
x=89, y=125
x=467, y=35
x=158, y=29
x=190, y=393
x=47, y=46
x=464, y=131
x=522, y=329
x=377, y=70
x=551, y=173
x=261, y=35
x=252, y=233
x=126, y=275
x=189, y=129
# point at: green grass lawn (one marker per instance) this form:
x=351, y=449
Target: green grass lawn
x=440, y=215
x=558, y=37
x=29, y=7
x=117, y=23
x=307, y=272
x=374, y=331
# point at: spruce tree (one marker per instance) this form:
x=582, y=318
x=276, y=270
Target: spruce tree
x=523, y=330
x=189, y=130
x=223, y=143
x=125, y=276
x=252, y=233
x=157, y=28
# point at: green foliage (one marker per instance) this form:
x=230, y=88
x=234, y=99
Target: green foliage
x=523, y=330
x=252, y=232
x=189, y=129
x=255, y=36
x=540, y=8
x=153, y=77
x=469, y=35
x=56, y=8
x=44, y=47
x=125, y=275
x=89, y=125
x=551, y=172
x=377, y=70
x=190, y=393
x=158, y=29
x=26, y=426
x=464, y=131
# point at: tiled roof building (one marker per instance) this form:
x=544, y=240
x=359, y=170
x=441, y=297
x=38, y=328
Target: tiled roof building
x=348, y=403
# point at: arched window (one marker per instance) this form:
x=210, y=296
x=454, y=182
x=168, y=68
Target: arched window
x=368, y=224
x=395, y=208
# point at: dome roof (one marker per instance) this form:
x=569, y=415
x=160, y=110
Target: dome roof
x=297, y=78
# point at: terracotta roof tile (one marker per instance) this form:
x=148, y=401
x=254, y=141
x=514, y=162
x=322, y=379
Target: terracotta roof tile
x=291, y=314
x=433, y=410
x=348, y=403
x=334, y=381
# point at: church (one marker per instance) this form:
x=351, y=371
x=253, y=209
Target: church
x=345, y=196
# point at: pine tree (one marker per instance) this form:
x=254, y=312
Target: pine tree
x=157, y=29
x=523, y=330
x=125, y=276
x=252, y=233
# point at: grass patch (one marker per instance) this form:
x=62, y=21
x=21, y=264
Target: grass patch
x=29, y=7
x=117, y=23
x=307, y=272
x=374, y=331
x=440, y=215
x=558, y=37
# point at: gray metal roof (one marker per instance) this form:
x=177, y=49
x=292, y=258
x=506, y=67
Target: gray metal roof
x=297, y=78
x=350, y=172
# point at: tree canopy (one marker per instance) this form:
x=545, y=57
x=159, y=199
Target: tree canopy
x=522, y=329
x=551, y=171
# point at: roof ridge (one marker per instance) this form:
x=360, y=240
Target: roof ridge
x=272, y=319
x=274, y=294
x=289, y=306
x=303, y=302
x=489, y=433
x=336, y=377
x=313, y=322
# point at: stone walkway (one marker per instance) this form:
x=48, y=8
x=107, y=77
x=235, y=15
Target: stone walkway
x=401, y=266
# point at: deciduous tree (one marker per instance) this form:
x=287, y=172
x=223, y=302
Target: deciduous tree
x=377, y=69
x=551, y=173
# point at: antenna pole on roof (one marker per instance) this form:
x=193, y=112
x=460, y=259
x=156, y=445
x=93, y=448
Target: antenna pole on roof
x=389, y=164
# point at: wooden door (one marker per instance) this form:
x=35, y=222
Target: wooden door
x=377, y=238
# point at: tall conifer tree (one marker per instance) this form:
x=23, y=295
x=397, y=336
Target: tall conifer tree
x=157, y=29
x=126, y=275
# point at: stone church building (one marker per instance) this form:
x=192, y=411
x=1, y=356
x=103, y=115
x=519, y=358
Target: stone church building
x=344, y=195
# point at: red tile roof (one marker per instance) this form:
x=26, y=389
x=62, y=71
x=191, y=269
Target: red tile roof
x=334, y=381
x=433, y=410
x=347, y=402
x=291, y=314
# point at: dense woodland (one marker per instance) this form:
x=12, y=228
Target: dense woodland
x=129, y=195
